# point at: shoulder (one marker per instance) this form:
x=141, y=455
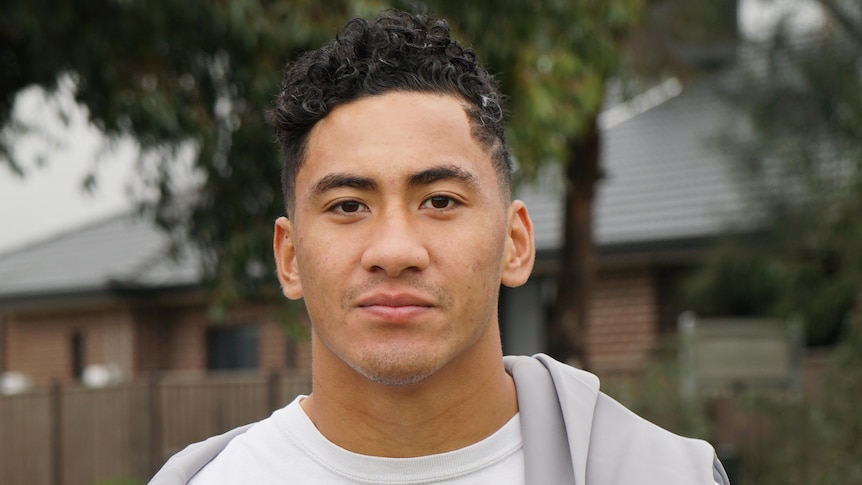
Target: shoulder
x=612, y=443
x=185, y=465
x=627, y=443
x=182, y=466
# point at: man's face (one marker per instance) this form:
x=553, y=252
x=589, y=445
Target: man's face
x=400, y=237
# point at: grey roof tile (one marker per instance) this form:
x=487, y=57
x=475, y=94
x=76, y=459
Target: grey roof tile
x=664, y=178
x=123, y=249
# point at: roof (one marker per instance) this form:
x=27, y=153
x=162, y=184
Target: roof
x=663, y=183
x=663, y=178
x=118, y=252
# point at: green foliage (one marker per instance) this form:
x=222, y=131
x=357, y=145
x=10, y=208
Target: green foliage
x=814, y=440
x=172, y=74
x=734, y=281
x=799, y=155
x=553, y=59
x=782, y=272
x=677, y=38
x=655, y=395
x=778, y=439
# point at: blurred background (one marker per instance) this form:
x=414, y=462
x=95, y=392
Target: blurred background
x=693, y=169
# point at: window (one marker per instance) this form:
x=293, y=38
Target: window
x=79, y=354
x=233, y=347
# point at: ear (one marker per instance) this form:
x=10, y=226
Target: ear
x=520, y=252
x=283, y=245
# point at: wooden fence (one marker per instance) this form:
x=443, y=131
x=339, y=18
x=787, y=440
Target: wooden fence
x=72, y=435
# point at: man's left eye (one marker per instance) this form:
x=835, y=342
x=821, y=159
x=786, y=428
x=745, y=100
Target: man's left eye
x=439, y=202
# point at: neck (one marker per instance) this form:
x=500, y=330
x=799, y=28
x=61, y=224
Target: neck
x=461, y=404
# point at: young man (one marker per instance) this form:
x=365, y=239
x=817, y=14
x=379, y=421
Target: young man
x=400, y=230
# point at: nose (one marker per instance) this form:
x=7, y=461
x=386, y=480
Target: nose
x=395, y=245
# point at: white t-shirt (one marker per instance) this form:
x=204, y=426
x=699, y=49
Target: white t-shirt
x=287, y=448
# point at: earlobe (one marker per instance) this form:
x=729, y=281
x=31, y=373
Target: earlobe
x=520, y=253
x=285, y=259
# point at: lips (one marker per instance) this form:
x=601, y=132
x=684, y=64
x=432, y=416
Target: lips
x=394, y=307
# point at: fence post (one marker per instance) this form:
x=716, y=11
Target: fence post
x=155, y=411
x=56, y=419
x=274, y=391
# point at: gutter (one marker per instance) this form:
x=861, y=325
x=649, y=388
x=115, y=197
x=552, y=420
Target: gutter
x=3, y=340
x=71, y=299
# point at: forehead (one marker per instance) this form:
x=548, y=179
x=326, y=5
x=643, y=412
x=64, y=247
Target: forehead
x=393, y=133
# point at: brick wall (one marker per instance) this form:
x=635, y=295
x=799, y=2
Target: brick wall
x=136, y=340
x=152, y=342
x=40, y=345
x=623, y=320
x=185, y=337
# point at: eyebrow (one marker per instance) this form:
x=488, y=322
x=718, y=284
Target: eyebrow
x=341, y=180
x=428, y=176
x=441, y=172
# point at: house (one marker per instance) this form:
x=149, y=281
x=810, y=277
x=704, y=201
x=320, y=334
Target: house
x=108, y=294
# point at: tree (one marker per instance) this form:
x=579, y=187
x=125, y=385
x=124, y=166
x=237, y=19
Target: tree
x=169, y=73
x=554, y=60
x=800, y=156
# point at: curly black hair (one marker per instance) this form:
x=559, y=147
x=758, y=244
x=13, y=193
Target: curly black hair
x=397, y=52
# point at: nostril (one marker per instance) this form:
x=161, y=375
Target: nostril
x=394, y=245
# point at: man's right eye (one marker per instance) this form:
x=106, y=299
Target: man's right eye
x=348, y=207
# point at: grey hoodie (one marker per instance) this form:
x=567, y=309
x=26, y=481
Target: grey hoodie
x=572, y=432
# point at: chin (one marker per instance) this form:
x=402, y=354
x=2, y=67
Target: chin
x=401, y=370
x=394, y=380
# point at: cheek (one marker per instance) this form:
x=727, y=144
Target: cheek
x=478, y=266
x=316, y=253
x=315, y=266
